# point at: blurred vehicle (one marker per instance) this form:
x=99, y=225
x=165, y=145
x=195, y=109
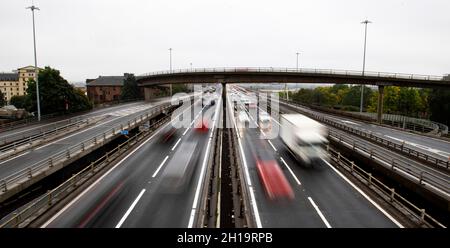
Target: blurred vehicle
x=13, y=113
x=274, y=181
x=243, y=119
x=201, y=125
x=208, y=99
x=251, y=105
x=169, y=134
x=265, y=121
x=179, y=171
x=305, y=137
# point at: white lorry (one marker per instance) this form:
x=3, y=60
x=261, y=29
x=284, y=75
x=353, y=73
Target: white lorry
x=305, y=137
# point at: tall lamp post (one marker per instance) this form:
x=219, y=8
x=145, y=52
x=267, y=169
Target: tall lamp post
x=35, y=63
x=297, y=67
x=364, y=63
x=170, y=55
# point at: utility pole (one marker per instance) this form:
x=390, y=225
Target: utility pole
x=170, y=55
x=286, y=91
x=297, y=67
x=364, y=64
x=36, y=72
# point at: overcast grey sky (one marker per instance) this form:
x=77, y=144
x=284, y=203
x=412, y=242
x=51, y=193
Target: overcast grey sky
x=87, y=38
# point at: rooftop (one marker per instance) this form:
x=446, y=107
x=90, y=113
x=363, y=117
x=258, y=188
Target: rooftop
x=9, y=76
x=106, y=81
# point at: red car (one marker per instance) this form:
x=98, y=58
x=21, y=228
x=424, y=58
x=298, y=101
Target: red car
x=202, y=126
x=273, y=180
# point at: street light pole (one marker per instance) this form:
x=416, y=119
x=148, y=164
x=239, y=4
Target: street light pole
x=297, y=60
x=170, y=55
x=36, y=72
x=364, y=63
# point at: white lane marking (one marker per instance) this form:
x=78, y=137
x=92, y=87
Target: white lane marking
x=185, y=131
x=247, y=174
x=350, y=122
x=319, y=212
x=275, y=149
x=292, y=173
x=365, y=196
x=160, y=166
x=191, y=218
x=25, y=153
x=394, y=138
x=173, y=148
x=202, y=172
x=104, y=175
x=76, y=133
x=255, y=208
x=124, y=217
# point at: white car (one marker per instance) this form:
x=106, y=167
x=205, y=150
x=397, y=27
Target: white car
x=243, y=118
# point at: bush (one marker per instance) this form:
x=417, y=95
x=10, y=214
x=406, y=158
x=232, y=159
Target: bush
x=18, y=101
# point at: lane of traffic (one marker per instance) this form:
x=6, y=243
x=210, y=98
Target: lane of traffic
x=336, y=202
x=133, y=185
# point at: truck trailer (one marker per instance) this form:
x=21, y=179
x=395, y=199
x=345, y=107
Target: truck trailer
x=305, y=138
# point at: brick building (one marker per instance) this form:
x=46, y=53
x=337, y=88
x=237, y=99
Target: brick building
x=104, y=88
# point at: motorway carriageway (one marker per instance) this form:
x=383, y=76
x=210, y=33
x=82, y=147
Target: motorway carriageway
x=113, y=117
x=323, y=196
x=47, y=125
x=133, y=194
x=432, y=146
x=411, y=164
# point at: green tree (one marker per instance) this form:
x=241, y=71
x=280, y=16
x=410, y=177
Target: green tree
x=338, y=87
x=352, y=97
x=55, y=94
x=130, y=89
x=2, y=99
x=18, y=101
x=409, y=102
x=303, y=96
x=439, y=101
x=177, y=88
x=323, y=96
x=391, y=95
x=402, y=100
